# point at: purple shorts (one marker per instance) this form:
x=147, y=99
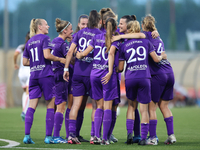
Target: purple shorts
x=61, y=92
x=162, y=86
x=41, y=85
x=139, y=89
x=81, y=85
x=108, y=91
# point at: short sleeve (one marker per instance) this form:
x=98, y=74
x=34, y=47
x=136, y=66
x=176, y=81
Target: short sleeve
x=92, y=42
x=121, y=53
x=47, y=43
x=65, y=49
x=75, y=38
x=151, y=47
x=116, y=44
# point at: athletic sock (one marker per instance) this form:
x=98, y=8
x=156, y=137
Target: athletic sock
x=49, y=121
x=67, y=122
x=137, y=123
x=92, y=128
x=152, y=128
x=114, y=117
x=107, y=117
x=79, y=122
x=170, y=125
x=29, y=120
x=58, y=120
x=72, y=128
x=98, y=121
x=144, y=130
x=129, y=126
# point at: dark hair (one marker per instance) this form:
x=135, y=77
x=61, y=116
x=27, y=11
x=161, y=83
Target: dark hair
x=79, y=19
x=102, y=12
x=111, y=25
x=129, y=18
x=93, y=20
x=26, y=39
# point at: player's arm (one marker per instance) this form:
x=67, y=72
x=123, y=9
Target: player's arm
x=111, y=59
x=16, y=54
x=81, y=55
x=157, y=58
x=26, y=61
x=120, y=67
x=129, y=36
x=51, y=57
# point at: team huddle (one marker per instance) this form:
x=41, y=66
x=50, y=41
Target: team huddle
x=70, y=68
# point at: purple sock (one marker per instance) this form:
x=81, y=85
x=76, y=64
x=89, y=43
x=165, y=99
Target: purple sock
x=114, y=117
x=144, y=130
x=58, y=120
x=79, y=122
x=170, y=125
x=129, y=126
x=72, y=128
x=137, y=123
x=92, y=128
x=107, y=119
x=67, y=122
x=49, y=121
x=152, y=128
x=98, y=121
x=29, y=120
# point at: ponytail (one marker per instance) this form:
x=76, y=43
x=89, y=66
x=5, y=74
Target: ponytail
x=110, y=29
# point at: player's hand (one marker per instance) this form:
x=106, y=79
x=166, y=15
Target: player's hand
x=79, y=55
x=16, y=67
x=155, y=34
x=106, y=78
x=62, y=60
x=66, y=76
x=115, y=38
x=164, y=55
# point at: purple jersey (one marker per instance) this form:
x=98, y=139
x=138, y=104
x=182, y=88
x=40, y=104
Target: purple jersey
x=163, y=66
x=100, y=57
x=135, y=52
x=39, y=66
x=59, y=49
x=82, y=39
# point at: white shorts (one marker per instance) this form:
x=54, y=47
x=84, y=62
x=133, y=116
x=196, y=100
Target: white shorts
x=24, y=76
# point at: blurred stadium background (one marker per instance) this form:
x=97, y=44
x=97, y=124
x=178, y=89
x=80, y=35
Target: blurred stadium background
x=177, y=22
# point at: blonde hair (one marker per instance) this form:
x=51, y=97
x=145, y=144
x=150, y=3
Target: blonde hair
x=106, y=13
x=61, y=25
x=110, y=29
x=149, y=23
x=34, y=26
x=133, y=27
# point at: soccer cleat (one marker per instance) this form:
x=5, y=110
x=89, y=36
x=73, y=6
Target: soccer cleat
x=152, y=141
x=57, y=140
x=92, y=140
x=103, y=142
x=171, y=139
x=81, y=139
x=156, y=138
x=129, y=139
x=142, y=142
x=97, y=140
x=114, y=139
x=48, y=140
x=23, y=116
x=73, y=140
x=136, y=138
x=27, y=140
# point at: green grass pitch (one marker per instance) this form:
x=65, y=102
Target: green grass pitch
x=186, y=128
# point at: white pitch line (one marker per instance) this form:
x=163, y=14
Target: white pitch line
x=10, y=143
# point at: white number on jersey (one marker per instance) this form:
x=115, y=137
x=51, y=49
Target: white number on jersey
x=83, y=43
x=160, y=48
x=34, y=53
x=101, y=52
x=141, y=56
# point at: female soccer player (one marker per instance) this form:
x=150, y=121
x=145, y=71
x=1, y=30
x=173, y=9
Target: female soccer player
x=103, y=92
x=38, y=55
x=162, y=82
x=81, y=76
x=24, y=75
x=137, y=79
x=60, y=49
